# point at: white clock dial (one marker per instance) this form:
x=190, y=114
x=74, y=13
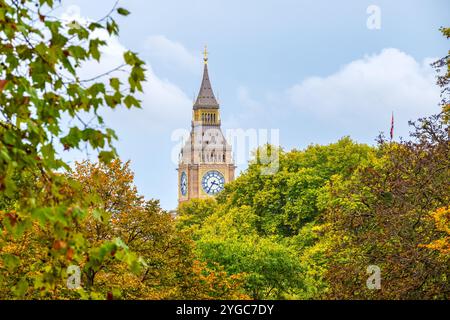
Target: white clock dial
x=183, y=183
x=213, y=182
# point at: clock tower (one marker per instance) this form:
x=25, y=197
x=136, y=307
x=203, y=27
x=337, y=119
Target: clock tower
x=205, y=162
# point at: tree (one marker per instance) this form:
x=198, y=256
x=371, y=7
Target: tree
x=441, y=216
x=40, y=60
x=287, y=200
x=266, y=226
x=192, y=214
x=380, y=217
x=211, y=283
x=443, y=79
x=170, y=269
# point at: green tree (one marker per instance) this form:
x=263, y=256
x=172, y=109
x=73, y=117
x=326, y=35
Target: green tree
x=269, y=226
x=287, y=200
x=192, y=214
x=229, y=238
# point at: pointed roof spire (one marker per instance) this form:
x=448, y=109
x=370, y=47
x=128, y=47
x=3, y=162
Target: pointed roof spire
x=206, y=98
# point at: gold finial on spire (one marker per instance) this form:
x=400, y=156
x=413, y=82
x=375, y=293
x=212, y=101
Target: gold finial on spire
x=205, y=55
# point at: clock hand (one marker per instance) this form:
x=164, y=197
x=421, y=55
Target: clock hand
x=212, y=183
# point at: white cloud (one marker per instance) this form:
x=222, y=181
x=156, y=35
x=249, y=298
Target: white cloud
x=72, y=13
x=162, y=101
x=247, y=101
x=164, y=107
x=357, y=100
x=251, y=111
x=375, y=85
x=171, y=53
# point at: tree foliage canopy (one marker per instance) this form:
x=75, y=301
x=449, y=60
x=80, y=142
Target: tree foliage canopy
x=308, y=230
x=40, y=89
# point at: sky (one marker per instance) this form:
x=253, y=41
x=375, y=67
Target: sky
x=315, y=71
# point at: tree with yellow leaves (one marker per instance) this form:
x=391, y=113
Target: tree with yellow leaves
x=441, y=219
x=170, y=267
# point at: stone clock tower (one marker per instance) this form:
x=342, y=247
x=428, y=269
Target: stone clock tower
x=205, y=163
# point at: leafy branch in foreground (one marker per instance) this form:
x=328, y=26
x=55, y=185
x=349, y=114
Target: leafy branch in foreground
x=40, y=88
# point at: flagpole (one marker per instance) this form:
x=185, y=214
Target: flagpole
x=392, y=126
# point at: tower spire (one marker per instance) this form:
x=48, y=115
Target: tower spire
x=206, y=98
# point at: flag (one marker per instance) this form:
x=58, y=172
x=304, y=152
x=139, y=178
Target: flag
x=392, y=126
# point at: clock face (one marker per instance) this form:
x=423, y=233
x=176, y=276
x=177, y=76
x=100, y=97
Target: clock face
x=213, y=182
x=183, y=183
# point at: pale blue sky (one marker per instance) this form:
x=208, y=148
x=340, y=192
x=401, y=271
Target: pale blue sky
x=311, y=69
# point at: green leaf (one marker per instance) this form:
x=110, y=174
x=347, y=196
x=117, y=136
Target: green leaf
x=123, y=12
x=131, y=101
x=94, y=49
x=112, y=27
x=106, y=156
x=115, y=83
x=73, y=139
x=77, y=52
x=130, y=58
